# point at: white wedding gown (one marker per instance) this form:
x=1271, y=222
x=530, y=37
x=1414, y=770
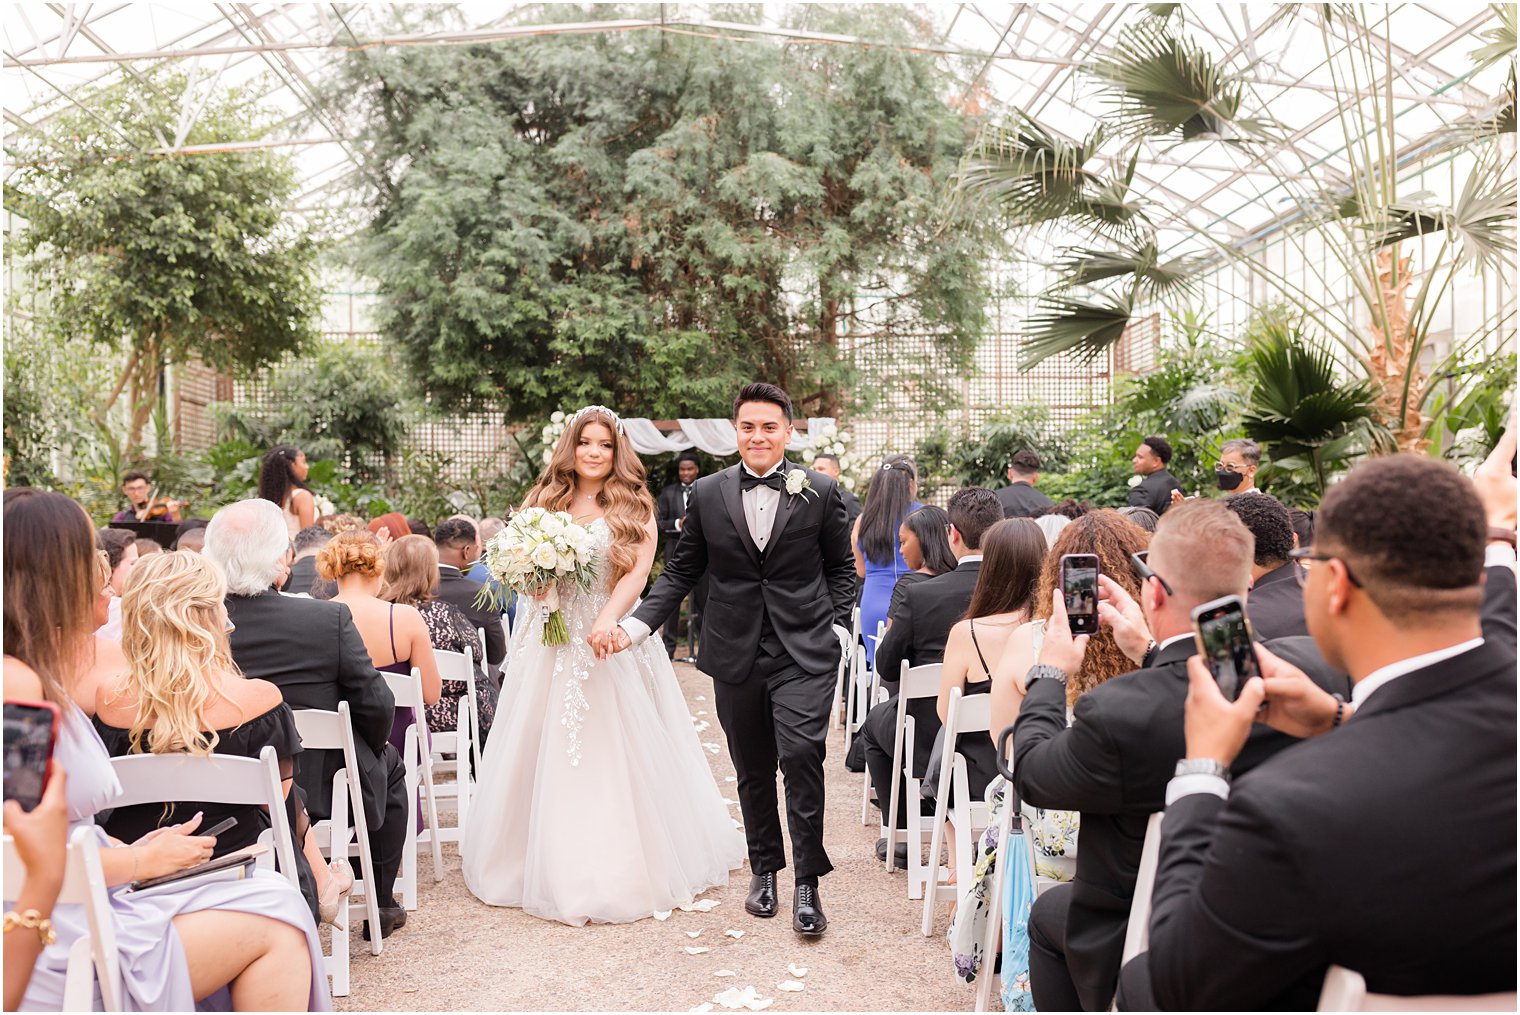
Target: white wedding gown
x=595, y=800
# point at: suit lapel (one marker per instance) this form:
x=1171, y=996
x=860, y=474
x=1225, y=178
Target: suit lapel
x=735, y=504
x=783, y=510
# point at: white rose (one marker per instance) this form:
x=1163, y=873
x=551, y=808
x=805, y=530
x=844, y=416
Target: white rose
x=551, y=525
x=844, y=436
x=556, y=416
x=1136, y=480
x=548, y=455
x=795, y=481
x=544, y=556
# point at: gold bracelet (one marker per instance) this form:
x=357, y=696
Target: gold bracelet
x=31, y=920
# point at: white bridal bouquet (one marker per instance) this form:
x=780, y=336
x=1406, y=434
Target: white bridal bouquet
x=540, y=549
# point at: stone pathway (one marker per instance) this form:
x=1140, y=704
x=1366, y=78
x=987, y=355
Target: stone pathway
x=456, y=953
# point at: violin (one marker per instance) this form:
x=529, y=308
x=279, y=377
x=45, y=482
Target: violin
x=159, y=509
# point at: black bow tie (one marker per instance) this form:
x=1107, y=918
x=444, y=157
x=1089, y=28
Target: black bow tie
x=776, y=481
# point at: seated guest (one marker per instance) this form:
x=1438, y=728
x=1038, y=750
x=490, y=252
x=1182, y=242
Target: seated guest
x=1112, y=761
x=1303, y=527
x=120, y=546
x=1052, y=525
x=1276, y=603
x=335, y=524
x=1070, y=508
x=458, y=549
x=303, y=569
x=1012, y=552
x=249, y=945
x=396, y=637
x=312, y=651
x=918, y=634
x=105, y=663
x=891, y=497
x=144, y=507
x=191, y=535
x=1141, y=516
x=179, y=694
x=419, y=527
x=925, y=541
x=411, y=579
x=1156, y=484
x=282, y=481
x=146, y=546
x=1309, y=863
x=1020, y=499
x=392, y=525
x=489, y=529
x=829, y=466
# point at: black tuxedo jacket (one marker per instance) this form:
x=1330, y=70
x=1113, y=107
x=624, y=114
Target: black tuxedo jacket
x=1386, y=846
x=1276, y=605
x=454, y=587
x=313, y=652
x=1155, y=491
x=1021, y=500
x=1113, y=764
x=668, y=511
x=303, y=574
x=804, y=582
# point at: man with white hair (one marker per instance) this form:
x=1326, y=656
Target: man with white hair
x=311, y=649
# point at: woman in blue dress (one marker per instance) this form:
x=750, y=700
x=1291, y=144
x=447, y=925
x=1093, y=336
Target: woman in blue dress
x=249, y=945
x=890, y=498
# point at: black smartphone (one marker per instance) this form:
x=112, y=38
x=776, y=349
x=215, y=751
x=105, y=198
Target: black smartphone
x=220, y=827
x=31, y=728
x=1079, y=589
x=1224, y=640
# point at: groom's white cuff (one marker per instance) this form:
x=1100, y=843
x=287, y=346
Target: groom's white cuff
x=636, y=629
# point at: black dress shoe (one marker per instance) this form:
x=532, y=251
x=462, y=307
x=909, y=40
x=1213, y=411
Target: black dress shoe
x=901, y=853
x=391, y=918
x=762, y=895
x=807, y=912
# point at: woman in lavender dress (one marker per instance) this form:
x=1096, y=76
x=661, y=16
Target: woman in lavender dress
x=250, y=945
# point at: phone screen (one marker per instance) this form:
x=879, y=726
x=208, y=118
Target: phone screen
x=1226, y=647
x=1079, y=588
x=28, y=748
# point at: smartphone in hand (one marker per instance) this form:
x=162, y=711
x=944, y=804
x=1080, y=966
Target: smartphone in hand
x=31, y=729
x=1223, y=633
x=1079, y=590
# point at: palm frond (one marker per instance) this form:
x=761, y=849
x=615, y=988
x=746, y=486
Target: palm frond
x=1167, y=85
x=1085, y=327
x=1151, y=278
x=1032, y=174
x=1501, y=38
x=1481, y=223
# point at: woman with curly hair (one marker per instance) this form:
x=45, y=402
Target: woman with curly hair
x=282, y=479
x=596, y=801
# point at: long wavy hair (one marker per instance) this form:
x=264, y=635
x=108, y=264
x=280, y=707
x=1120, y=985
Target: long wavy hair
x=887, y=501
x=175, y=641
x=624, y=499
x=1113, y=538
x=51, y=584
x=277, y=478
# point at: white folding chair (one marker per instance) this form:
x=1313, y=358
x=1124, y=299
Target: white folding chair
x=916, y=683
x=1137, y=936
x=462, y=742
x=837, y=708
x=216, y=779
x=332, y=731
x=852, y=678
x=415, y=756
x=1346, y=990
x=968, y=817
x=93, y=956
x=871, y=694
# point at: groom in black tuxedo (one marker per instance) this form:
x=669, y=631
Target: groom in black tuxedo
x=773, y=541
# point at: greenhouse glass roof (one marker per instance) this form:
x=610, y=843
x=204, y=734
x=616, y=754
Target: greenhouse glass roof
x=1004, y=55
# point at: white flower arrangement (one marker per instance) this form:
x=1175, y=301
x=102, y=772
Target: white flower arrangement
x=829, y=439
x=551, y=432
x=323, y=506
x=541, y=549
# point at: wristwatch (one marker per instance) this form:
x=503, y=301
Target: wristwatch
x=1202, y=766
x=1045, y=671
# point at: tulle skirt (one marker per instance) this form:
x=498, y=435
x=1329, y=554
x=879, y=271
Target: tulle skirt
x=596, y=801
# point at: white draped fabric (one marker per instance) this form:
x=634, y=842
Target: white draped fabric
x=714, y=436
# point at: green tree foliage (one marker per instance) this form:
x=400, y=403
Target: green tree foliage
x=647, y=220
x=165, y=256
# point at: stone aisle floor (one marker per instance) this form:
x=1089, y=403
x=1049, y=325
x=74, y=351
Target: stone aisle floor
x=456, y=953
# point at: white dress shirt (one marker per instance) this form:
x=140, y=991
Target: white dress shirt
x=760, y=503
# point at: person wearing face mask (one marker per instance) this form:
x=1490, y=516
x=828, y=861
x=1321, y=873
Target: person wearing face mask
x=1238, y=461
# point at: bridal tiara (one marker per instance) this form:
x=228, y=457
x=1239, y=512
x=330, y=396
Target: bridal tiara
x=617, y=421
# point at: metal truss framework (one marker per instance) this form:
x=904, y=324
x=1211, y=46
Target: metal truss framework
x=1025, y=55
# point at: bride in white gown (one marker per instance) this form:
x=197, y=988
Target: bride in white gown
x=595, y=799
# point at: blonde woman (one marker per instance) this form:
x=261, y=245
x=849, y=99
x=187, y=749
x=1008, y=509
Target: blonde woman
x=179, y=692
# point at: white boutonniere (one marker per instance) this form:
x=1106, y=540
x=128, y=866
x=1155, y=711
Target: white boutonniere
x=797, y=483
x=1135, y=481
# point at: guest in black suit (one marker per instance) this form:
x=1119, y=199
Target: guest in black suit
x=670, y=514
x=1113, y=761
x=1310, y=862
x=917, y=633
x=1019, y=498
x=458, y=548
x=312, y=651
x=829, y=466
x=1156, y=486
x=1276, y=604
x=303, y=570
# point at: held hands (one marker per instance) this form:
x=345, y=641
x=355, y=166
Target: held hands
x=1059, y=648
x=607, y=638
x=41, y=834
x=1216, y=728
x=173, y=848
x=1118, y=612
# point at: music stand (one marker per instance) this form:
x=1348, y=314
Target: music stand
x=161, y=533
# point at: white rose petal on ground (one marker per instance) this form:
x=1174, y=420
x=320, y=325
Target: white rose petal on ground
x=662, y=915
x=694, y=933
x=705, y=1006
x=790, y=986
x=796, y=970
x=700, y=906
x=735, y=934
x=698, y=950
x=725, y=972
x=733, y=997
